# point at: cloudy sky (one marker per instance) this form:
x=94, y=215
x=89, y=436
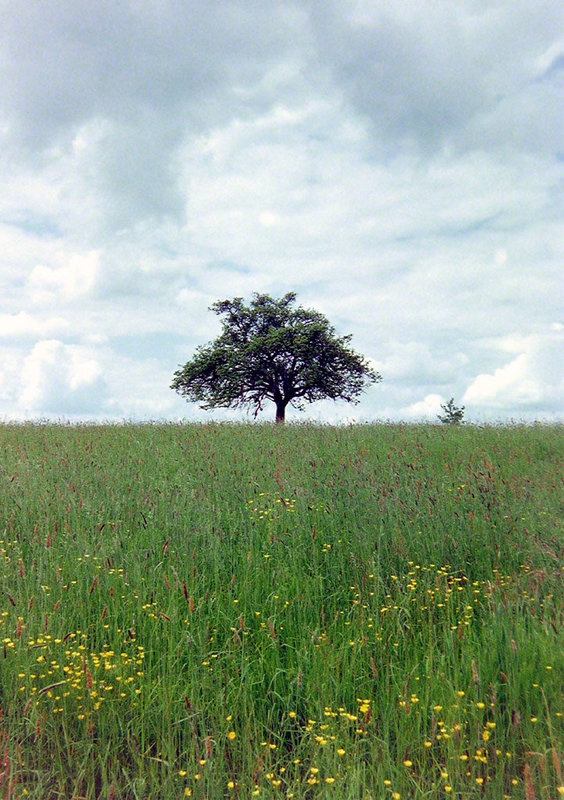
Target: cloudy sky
x=399, y=164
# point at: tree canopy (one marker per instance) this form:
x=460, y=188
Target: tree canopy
x=271, y=350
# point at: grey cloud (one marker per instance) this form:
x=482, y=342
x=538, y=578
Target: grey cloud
x=392, y=163
x=132, y=174
x=146, y=73
x=426, y=74
x=421, y=362
x=68, y=62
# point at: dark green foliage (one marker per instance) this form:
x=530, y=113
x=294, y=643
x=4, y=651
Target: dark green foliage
x=453, y=414
x=269, y=350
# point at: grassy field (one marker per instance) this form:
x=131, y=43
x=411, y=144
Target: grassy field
x=222, y=611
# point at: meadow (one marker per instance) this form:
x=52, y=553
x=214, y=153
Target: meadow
x=309, y=612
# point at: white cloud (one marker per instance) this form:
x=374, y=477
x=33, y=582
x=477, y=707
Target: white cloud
x=25, y=326
x=509, y=382
x=8, y=382
x=69, y=282
x=426, y=409
x=532, y=380
x=60, y=379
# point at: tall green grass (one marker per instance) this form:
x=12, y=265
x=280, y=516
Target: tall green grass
x=215, y=611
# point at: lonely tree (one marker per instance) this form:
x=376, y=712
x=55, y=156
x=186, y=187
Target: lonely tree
x=271, y=350
x=453, y=414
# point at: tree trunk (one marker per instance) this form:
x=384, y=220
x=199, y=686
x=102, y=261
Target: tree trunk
x=280, y=412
